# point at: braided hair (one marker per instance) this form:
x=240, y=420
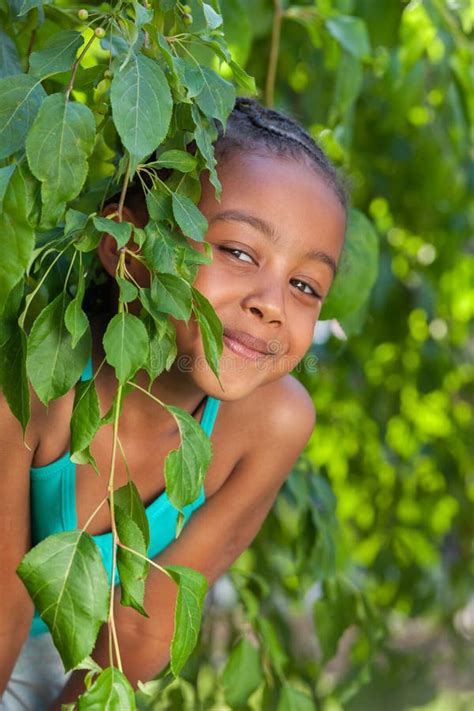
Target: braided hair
x=251, y=126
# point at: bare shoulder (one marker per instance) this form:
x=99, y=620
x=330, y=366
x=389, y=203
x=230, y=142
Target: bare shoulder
x=272, y=427
x=281, y=413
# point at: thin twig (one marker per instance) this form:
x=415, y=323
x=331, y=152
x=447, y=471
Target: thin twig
x=94, y=513
x=68, y=89
x=124, y=191
x=111, y=619
x=274, y=49
x=144, y=557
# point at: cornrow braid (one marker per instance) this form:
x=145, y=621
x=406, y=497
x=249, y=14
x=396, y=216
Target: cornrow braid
x=251, y=126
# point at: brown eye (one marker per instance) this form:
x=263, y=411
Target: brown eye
x=236, y=253
x=310, y=292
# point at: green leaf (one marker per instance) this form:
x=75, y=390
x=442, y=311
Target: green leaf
x=242, y=674
x=333, y=614
x=186, y=466
x=132, y=569
x=159, y=248
x=211, y=330
x=128, y=291
x=85, y=420
x=126, y=345
x=75, y=319
x=188, y=612
x=16, y=232
x=28, y=5
x=292, y=699
x=189, y=218
x=128, y=498
x=205, y=134
x=74, y=221
x=57, y=54
x=169, y=294
x=190, y=75
x=58, y=145
x=67, y=582
x=159, y=205
x=120, y=231
x=111, y=690
x=272, y=645
x=213, y=19
x=20, y=99
x=141, y=105
x=13, y=380
x=177, y=160
x=244, y=80
x=217, y=97
x=163, y=350
x=357, y=270
x=351, y=33
x=9, y=59
x=5, y=175
x=53, y=365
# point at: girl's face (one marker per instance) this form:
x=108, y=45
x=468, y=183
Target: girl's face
x=276, y=236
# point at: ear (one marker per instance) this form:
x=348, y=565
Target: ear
x=107, y=250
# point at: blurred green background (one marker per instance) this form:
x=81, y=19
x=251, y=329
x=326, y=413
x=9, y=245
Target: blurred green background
x=358, y=592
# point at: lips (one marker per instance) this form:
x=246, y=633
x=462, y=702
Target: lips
x=244, y=344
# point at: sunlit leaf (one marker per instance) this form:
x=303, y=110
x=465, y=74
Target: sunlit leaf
x=58, y=145
x=351, y=32
x=169, y=294
x=111, y=690
x=242, y=673
x=357, y=269
x=132, y=569
x=126, y=345
x=121, y=231
x=85, y=420
x=17, y=234
x=20, y=99
x=188, y=612
x=189, y=217
x=53, y=365
x=57, y=54
x=66, y=579
x=186, y=466
x=211, y=330
x=141, y=105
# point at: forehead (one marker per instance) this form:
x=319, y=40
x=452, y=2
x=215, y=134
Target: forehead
x=291, y=197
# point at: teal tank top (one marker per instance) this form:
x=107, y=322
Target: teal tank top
x=53, y=505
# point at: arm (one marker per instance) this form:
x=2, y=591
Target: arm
x=16, y=610
x=214, y=537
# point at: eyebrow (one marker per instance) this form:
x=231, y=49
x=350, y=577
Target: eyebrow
x=269, y=231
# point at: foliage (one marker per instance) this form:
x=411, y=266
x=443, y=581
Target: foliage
x=383, y=527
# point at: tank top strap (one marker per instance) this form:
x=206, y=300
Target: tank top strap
x=87, y=373
x=209, y=415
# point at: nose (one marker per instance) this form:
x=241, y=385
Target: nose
x=267, y=302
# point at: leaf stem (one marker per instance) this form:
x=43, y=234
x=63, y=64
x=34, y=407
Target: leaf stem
x=68, y=89
x=274, y=49
x=144, y=557
x=113, y=641
x=124, y=191
x=138, y=387
x=31, y=296
x=93, y=514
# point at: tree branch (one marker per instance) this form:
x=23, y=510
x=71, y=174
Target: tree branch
x=274, y=49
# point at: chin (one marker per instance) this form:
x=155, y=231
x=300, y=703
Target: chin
x=235, y=388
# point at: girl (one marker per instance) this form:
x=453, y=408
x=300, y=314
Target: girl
x=276, y=236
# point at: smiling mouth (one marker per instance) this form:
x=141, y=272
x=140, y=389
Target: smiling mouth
x=245, y=345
